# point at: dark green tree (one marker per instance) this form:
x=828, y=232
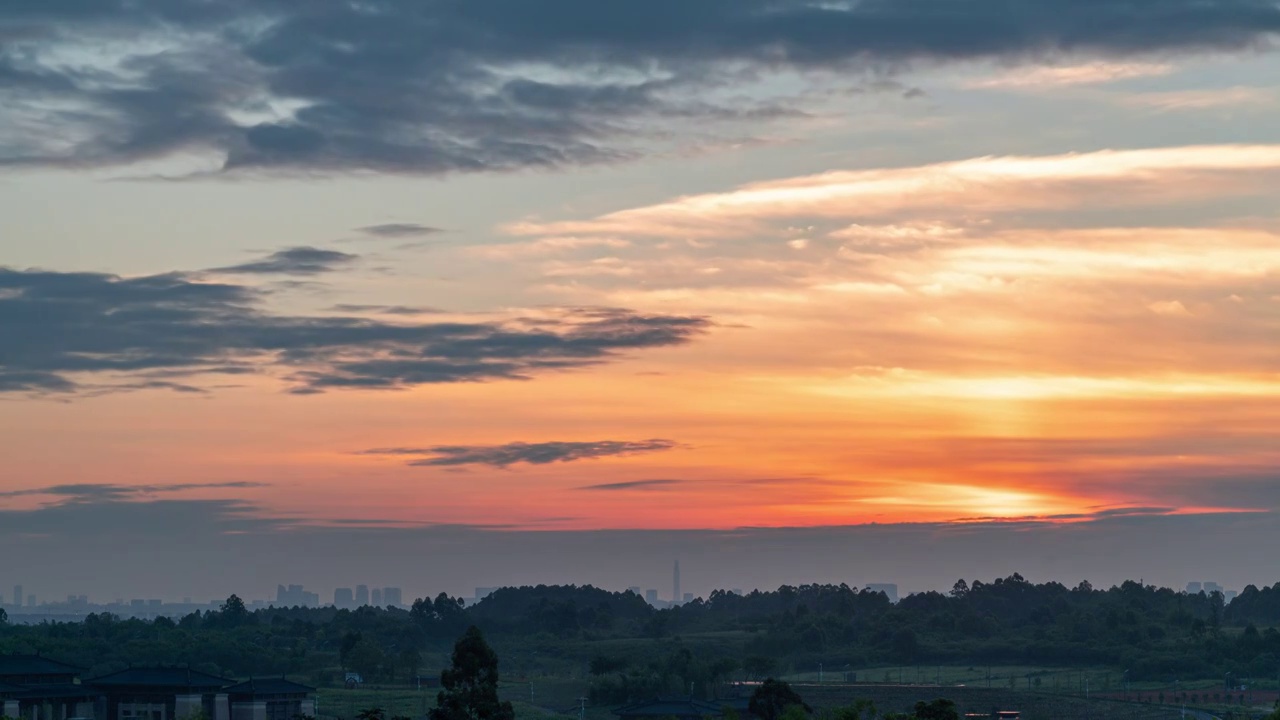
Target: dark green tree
x=771, y=700
x=602, y=665
x=471, y=683
x=758, y=666
x=411, y=661
x=234, y=613
x=366, y=659
x=940, y=709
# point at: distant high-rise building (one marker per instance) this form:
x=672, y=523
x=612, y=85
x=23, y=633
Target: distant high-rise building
x=31, y=600
x=686, y=598
x=737, y=591
x=635, y=589
x=651, y=596
x=393, y=596
x=17, y=596
x=1194, y=588
x=1230, y=595
x=675, y=583
x=1212, y=587
x=362, y=595
x=344, y=598
x=295, y=596
x=890, y=590
x=377, y=597
x=484, y=592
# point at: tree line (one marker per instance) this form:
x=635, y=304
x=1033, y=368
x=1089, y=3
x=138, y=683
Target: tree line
x=1154, y=633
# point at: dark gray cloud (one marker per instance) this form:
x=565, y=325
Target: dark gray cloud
x=533, y=453
x=108, y=492
x=413, y=87
x=399, y=230
x=88, y=331
x=384, y=309
x=300, y=260
x=632, y=485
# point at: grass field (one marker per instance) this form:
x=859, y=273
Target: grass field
x=346, y=704
x=1058, y=695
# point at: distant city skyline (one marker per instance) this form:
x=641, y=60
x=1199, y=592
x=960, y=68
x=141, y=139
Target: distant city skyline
x=344, y=597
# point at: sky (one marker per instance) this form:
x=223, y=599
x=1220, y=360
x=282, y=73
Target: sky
x=456, y=294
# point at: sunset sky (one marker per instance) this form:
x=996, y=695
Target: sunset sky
x=533, y=273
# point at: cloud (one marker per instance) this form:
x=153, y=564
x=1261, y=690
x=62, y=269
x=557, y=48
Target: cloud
x=961, y=189
x=1051, y=77
x=542, y=453
x=384, y=309
x=62, y=329
x=293, y=261
x=632, y=485
x=108, y=492
x=492, y=85
x=1178, y=100
x=399, y=230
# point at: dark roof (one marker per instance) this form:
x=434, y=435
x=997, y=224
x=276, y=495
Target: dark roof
x=169, y=677
x=63, y=690
x=268, y=686
x=7, y=689
x=34, y=665
x=663, y=707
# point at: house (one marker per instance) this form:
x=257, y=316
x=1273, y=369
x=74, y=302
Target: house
x=270, y=699
x=37, y=688
x=9, y=700
x=161, y=693
x=33, y=687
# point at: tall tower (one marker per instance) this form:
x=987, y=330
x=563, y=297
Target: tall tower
x=675, y=585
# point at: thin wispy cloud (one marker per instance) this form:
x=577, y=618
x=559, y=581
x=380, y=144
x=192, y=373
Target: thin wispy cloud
x=399, y=230
x=633, y=485
x=1055, y=77
x=988, y=185
x=540, y=453
x=110, y=492
x=301, y=260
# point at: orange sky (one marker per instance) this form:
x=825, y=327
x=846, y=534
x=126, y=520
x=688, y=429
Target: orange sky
x=1055, y=335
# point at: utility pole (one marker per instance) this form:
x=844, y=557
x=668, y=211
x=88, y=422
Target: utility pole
x=582, y=707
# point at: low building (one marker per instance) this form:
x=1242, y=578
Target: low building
x=33, y=687
x=37, y=688
x=270, y=699
x=9, y=699
x=28, y=670
x=161, y=693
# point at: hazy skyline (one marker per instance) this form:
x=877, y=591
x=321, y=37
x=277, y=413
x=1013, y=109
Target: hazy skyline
x=496, y=292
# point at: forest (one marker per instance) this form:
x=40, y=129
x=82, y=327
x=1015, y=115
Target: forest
x=631, y=650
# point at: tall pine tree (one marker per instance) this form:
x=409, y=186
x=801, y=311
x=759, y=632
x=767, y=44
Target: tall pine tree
x=471, y=683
